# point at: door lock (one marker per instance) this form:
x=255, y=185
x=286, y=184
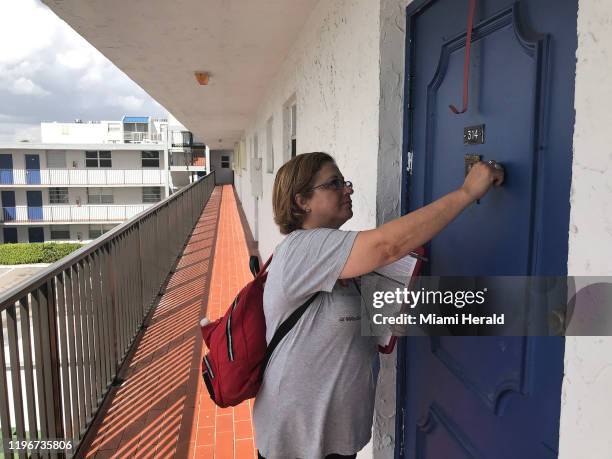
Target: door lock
x=469, y=161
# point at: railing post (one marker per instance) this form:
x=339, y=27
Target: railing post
x=50, y=357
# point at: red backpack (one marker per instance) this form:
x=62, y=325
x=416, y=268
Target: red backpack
x=238, y=353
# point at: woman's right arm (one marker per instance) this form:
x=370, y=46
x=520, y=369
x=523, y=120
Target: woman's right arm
x=395, y=239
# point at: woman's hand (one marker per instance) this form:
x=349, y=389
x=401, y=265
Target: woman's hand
x=480, y=178
x=395, y=239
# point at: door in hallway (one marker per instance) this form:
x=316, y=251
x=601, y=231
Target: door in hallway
x=36, y=234
x=6, y=169
x=34, y=200
x=10, y=235
x=8, y=205
x=32, y=169
x=493, y=397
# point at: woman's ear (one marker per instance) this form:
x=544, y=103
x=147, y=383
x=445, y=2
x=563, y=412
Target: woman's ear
x=302, y=202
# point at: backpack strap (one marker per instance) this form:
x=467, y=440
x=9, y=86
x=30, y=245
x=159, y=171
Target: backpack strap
x=254, y=265
x=284, y=328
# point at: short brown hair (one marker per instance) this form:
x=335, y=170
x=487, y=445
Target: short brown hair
x=295, y=177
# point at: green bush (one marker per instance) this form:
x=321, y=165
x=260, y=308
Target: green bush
x=36, y=252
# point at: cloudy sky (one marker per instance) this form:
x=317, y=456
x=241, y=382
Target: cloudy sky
x=48, y=72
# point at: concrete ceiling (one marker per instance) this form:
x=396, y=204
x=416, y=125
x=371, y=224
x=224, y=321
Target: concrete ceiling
x=161, y=43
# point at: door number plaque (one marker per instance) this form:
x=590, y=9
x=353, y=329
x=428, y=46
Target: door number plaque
x=474, y=135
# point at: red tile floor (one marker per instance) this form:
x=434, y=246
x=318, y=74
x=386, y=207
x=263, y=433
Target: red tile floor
x=162, y=409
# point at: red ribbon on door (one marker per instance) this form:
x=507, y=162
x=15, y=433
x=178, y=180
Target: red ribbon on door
x=466, y=65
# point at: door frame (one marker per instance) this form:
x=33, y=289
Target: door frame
x=7, y=228
x=31, y=229
x=11, y=216
x=7, y=179
x=559, y=266
x=31, y=177
x=34, y=212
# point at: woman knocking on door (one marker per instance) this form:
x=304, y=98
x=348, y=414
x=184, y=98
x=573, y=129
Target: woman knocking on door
x=317, y=396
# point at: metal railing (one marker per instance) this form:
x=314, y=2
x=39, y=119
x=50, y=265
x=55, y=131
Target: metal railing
x=182, y=138
x=183, y=159
x=71, y=213
x=142, y=137
x=69, y=328
x=85, y=177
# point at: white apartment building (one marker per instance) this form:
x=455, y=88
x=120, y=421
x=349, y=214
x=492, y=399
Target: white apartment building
x=86, y=177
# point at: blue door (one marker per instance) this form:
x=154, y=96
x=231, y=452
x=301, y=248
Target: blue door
x=32, y=169
x=35, y=210
x=6, y=169
x=10, y=235
x=490, y=397
x=36, y=234
x=8, y=205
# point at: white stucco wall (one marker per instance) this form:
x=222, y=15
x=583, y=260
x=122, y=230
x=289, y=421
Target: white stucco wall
x=329, y=115
x=587, y=396
x=333, y=71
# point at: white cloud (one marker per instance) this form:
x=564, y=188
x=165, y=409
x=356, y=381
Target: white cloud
x=26, y=86
x=25, y=27
x=76, y=58
x=126, y=102
x=50, y=73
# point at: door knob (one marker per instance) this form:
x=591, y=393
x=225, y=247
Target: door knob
x=496, y=165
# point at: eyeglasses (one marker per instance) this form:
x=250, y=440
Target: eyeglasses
x=336, y=184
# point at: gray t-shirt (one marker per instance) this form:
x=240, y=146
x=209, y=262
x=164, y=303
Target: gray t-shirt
x=317, y=396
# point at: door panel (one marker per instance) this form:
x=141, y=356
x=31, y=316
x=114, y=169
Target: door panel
x=8, y=205
x=6, y=169
x=10, y=235
x=489, y=396
x=34, y=199
x=32, y=169
x=496, y=42
x=36, y=234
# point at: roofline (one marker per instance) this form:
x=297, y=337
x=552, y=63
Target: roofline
x=82, y=146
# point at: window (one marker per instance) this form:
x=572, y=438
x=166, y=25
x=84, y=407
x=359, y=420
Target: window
x=114, y=127
x=150, y=159
x=243, y=155
x=60, y=232
x=98, y=159
x=56, y=160
x=100, y=196
x=290, y=129
x=151, y=194
x=95, y=231
x=58, y=195
x=225, y=162
x=269, y=148
x=293, y=130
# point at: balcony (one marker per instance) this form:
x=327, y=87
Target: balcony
x=82, y=177
x=142, y=137
x=182, y=139
x=108, y=340
x=187, y=161
x=99, y=213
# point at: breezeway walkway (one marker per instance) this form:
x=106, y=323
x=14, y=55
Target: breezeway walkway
x=162, y=409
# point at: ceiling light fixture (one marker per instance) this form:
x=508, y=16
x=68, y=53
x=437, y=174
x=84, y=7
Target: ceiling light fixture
x=202, y=77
